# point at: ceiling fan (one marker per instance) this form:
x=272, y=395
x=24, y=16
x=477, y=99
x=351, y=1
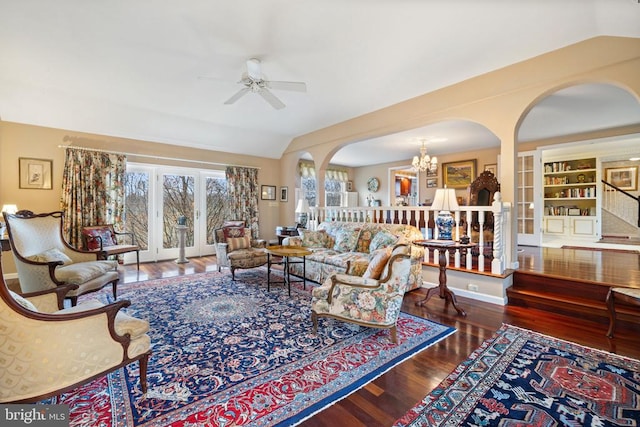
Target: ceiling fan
x=254, y=81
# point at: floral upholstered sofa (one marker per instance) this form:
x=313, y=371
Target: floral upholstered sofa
x=348, y=247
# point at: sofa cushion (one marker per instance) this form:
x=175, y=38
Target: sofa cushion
x=51, y=255
x=314, y=239
x=82, y=272
x=346, y=240
x=382, y=239
x=377, y=263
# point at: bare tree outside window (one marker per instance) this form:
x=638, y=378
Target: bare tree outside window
x=136, y=195
x=178, y=197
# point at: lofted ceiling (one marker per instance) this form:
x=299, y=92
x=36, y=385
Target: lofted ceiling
x=161, y=70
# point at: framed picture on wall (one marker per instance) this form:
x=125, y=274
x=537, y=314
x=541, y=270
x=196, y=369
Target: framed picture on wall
x=432, y=182
x=35, y=173
x=268, y=192
x=625, y=178
x=459, y=174
x=491, y=167
x=284, y=194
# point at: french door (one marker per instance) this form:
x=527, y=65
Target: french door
x=158, y=197
x=528, y=206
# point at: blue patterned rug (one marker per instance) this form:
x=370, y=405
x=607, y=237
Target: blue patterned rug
x=522, y=378
x=230, y=353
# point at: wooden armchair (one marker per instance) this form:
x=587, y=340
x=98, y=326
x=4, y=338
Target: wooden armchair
x=44, y=259
x=103, y=239
x=46, y=350
x=365, y=301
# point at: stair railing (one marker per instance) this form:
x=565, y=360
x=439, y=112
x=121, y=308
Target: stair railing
x=619, y=202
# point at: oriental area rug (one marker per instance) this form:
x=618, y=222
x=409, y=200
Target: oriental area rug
x=522, y=378
x=230, y=353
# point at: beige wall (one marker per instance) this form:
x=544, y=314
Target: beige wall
x=19, y=140
x=498, y=100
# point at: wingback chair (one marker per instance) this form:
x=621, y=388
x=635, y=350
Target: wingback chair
x=45, y=260
x=365, y=300
x=235, y=248
x=46, y=350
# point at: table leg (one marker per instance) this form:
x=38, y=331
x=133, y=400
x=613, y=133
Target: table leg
x=268, y=272
x=287, y=274
x=444, y=292
x=304, y=273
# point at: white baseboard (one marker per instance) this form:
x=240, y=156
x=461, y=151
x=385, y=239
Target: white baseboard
x=471, y=295
x=10, y=276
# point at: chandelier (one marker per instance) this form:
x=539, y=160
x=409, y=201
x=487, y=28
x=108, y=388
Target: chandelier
x=425, y=162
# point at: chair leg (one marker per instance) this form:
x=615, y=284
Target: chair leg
x=233, y=273
x=138, y=260
x=394, y=334
x=314, y=321
x=144, y=362
x=74, y=301
x=612, y=313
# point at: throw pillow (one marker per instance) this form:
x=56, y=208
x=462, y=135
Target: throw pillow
x=235, y=243
x=313, y=239
x=377, y=263
x=346, y=240
x=51, y=255
x=232, y=232
x=382, y=239
x=234, y=223
x=25, y=303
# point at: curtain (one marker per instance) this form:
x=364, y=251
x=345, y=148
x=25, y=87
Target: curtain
x=92, y=191
x=242, y=188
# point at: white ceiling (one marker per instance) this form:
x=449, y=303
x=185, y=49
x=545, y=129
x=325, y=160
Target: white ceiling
x=132, y=68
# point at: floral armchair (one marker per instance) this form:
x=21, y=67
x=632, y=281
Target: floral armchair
x=45, y=260
x=46, y=350
x=368, y=300
x=235, y=248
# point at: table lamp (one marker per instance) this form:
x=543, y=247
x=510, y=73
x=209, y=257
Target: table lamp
x=444, y=202
x=301, y=209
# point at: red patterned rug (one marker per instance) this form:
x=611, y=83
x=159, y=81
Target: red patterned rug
x=522, y=378
x=230, y=353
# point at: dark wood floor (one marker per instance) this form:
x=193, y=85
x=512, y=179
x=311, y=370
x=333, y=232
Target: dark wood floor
x=387, y=398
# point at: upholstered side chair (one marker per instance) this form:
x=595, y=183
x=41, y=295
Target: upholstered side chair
x=45, y=260
x=46, y=350
x=236, y=249
x=366, y=300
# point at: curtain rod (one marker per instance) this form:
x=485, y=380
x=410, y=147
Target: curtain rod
x=153, y=157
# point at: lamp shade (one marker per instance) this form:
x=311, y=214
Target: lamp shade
x=303, y=206
x=445, y=200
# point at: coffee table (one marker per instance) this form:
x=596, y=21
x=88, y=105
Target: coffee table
x=286, y=252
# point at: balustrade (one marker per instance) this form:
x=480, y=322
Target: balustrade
x=423, y=217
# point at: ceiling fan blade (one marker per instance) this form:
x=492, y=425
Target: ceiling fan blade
x=293, y=86
x=253, y=69
x=237, y=95
x=271, y=99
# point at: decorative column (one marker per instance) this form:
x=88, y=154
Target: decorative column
x=182, y=230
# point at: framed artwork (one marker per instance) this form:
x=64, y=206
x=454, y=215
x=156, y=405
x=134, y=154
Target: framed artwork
x=268, y=192
x=35, y=173
x=284, y=194
x=625, y=178
x=491, y=167
x=432, y=182
x=459, y=174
